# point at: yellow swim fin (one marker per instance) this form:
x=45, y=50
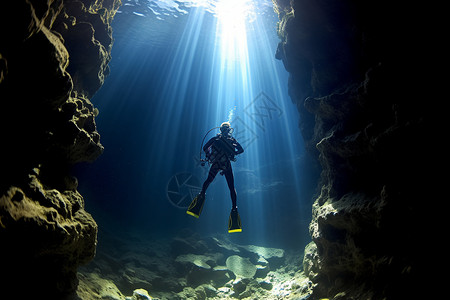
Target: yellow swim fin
x=196, y=206
x=234, y=222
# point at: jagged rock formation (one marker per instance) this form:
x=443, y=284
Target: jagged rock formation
x=356, y=93
x=53, y=58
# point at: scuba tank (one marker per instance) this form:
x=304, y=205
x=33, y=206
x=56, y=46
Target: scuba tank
x=223, y=148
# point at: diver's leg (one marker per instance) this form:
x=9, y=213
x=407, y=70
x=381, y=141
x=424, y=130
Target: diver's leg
x=196, y=206
x=230, y=180
x=234, y=221
x=211, y=175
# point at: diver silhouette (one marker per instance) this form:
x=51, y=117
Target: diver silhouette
x=220, y=151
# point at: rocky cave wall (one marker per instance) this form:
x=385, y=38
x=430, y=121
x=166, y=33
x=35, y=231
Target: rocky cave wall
x=54, y=56
x=360, y=119
x=357, y=92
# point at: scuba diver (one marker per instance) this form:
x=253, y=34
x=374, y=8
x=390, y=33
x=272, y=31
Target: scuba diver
x=220, y=151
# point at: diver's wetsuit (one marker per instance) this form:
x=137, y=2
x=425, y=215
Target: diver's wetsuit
x=219, y=150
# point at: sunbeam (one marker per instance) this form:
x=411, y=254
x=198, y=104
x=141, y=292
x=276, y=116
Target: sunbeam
x=194, y=65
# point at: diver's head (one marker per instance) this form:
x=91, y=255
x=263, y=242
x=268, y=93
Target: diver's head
x=225, y=128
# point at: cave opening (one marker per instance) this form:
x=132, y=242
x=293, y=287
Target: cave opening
x=178, y=69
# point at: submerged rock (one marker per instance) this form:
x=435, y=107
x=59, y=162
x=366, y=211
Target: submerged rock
x=141, y=294
x=136, y=263
x=92, y=286
x=197, y=260
x=47, y=233
x=241, y=267
x=202, y=269
x=261, y=271
x=274, y=257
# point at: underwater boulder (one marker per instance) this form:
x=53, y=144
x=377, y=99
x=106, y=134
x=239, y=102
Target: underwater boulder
x=199, y=293
x=141, y=294
x=210, y=290
x=220, y=276
x=47, y=233
x=240, y=285
x=274, y=257
x=262, y=271
x=201, y=269
x=310, y=267
x=150, y=281
x=241, y=267
x=131, y=279
x=265, y=284
x=225, y=292
x=92, y=286
x=200, y=261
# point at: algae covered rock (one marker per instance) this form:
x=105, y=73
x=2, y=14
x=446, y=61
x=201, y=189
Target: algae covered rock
x=47, y=233
x=241, y=267
x=310, y=260
x=92, y=286
x=141, y=294
x=198, y=260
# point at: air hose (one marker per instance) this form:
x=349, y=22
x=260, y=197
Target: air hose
x=202, y=161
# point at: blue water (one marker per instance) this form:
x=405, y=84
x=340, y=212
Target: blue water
x=178, y=70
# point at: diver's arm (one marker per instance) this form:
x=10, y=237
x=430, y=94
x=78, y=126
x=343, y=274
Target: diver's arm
x=208, y=144
x=238, y=148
